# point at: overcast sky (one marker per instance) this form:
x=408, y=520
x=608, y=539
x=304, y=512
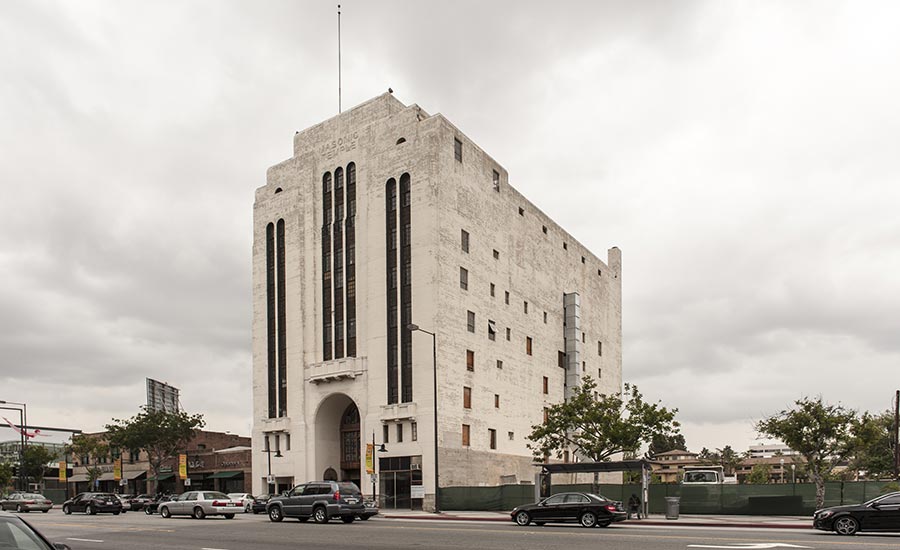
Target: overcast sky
x=743, y=156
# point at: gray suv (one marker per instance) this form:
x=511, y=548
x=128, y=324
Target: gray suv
x=319, y=500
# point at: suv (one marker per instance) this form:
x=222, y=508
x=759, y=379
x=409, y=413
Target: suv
x=320, y=500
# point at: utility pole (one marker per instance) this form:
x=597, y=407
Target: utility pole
x=895, y=436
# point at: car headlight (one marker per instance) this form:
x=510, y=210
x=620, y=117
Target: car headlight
x=825, y=514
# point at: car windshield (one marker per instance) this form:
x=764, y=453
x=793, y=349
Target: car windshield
x=14, y=534
x=215, y=495
x=880, y=497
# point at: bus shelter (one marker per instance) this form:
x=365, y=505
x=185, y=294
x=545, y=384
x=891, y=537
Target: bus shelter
x=543, y=480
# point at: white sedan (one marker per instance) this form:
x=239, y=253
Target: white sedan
x=245, y=498
x=200, y=504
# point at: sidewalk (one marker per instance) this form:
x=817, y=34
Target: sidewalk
x=773, y=522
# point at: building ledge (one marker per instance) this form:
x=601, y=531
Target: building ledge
x=398, y=412
x=347, y=368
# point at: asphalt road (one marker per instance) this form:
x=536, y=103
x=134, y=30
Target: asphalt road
x=137, y=531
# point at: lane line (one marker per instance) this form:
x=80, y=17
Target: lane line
x=84, y=540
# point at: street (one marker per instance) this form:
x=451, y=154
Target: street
x=138, y=531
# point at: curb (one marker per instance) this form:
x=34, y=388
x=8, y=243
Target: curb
x=672, y=523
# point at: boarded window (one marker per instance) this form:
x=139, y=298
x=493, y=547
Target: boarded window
x=465, y=435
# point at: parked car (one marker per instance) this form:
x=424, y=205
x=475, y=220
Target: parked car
x=138, y=502
x=369, y=510
x=26, y=502
x=259, y=503
x=245, y=498
x=879, y=514
x=126, y=504
x=17, y=533
x=200, y=504
x=93, y=503
x=320, y=500
x=587, y=509
x=152, y=507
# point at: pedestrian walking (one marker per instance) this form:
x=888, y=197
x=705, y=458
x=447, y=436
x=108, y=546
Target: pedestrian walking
x=634, y=506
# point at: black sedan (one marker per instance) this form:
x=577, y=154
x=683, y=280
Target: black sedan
x=879, y=514
x=93, y=503
x=259, y=504
x=16, y=533
x=587, y=509
x=152, y=507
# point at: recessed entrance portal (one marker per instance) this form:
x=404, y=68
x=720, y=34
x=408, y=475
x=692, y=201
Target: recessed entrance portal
x=350, y=445
x=338, y=443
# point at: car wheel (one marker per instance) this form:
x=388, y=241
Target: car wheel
x=846, y=525
x=348, y=519
x=246, y=508
x=320, y=515
x=66, y=510
x=117, y=513
x=588, y=519
x=198, y=513
x=364, y=518
x=90, y=510
x=523, y=519
x=275, y=514
x=20, y=509
x=148, y=512
x=164, y=512
x=228, y=516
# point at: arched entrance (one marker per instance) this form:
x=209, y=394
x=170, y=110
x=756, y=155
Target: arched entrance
x=338, y=441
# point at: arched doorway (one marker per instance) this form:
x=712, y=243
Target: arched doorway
x=350, y=445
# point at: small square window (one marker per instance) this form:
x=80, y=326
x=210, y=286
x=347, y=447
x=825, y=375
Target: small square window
x=496, y=255
x=521, y=211
x=506, y=297
x=457, y=149
x=511, y=435
x=496, y=180
x=464, y=240
x=463, y=278
x=470, y=321
x=492, y=290
x=499, y=364
x=470, y=360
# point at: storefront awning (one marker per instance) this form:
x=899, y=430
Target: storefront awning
x=226, y=475
x=162, y=477
x=134, y=475
x=107, y=476
x=78, y=478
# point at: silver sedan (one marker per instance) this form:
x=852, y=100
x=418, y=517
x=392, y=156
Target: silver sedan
x=200, y=504
x=26, y=502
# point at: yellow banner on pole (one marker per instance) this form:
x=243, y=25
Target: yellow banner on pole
x=63, y=470
x=117, y=469
x=370, y=458
x=182, y=466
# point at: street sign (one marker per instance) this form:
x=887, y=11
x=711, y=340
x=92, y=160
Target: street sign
x=270, y=478
x=417, y=491
x=373, y=478
x=187, y=482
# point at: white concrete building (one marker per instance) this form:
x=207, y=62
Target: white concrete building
x=386, y=216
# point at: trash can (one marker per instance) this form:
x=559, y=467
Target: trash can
x=673, y=504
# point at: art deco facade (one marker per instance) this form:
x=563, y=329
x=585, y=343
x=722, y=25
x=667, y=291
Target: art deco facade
x=387, y=216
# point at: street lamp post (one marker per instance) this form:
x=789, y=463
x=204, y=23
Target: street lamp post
x=793, y=474
x=23, y=438
x=782, y=470
x=413, y=327
x=278, y=454
x=380, y=449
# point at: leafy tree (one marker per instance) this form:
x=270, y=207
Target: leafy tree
x=759, y=474
x=872, y=447
x=598, y=427
x=661, y=443
x=160, y=434
x=35, y=460
x=820, y=432
x=728, y=459
x=86, y=448
x=6, y=475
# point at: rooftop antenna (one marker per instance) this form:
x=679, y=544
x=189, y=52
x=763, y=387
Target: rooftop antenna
x=339, y=58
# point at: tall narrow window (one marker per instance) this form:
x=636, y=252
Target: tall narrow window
x=546, y=385
x=496, y=401
x=338, y=263
x=463, y=278
x=492, y=330
x=327, y=320
x=496, y=180
x=467, y=397
x=399, y=432
x=492, y=435
x=508, y=333
x=393, y=354
x=464, y=240
x=526, y=307
x=406, y=371
x=506, y=296
x=271, y=338
x=457, y=150
x=599, y=348
x=350, y=255
x=492, y=290
x=386, y=433
x=528, y=345
x=470, y=321
x=282, y=319
x=465, y=435
x=414, y=431
x=470, y=360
